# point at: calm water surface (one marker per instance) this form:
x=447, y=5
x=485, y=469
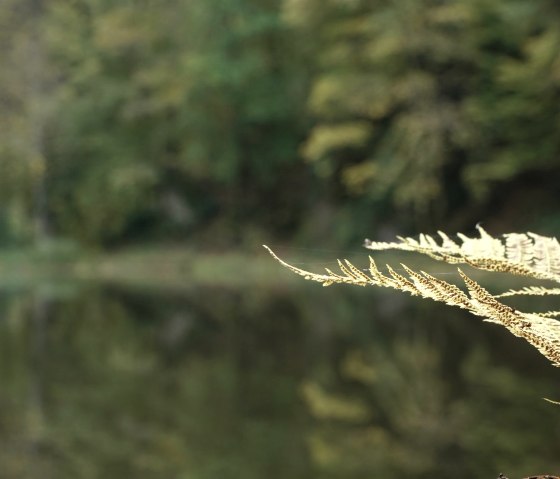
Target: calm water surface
x=101, y=381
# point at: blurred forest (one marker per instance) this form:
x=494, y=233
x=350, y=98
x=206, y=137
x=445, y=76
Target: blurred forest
x=227, y=122
x=133, y=127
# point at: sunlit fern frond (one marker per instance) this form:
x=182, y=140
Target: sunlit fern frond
x=543, y=332
x=526, y=254
x=548, y=314
x=530, y=291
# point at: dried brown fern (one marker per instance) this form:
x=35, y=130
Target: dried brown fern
x=525, y=254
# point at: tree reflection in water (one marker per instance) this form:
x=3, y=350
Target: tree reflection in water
x=258, y=383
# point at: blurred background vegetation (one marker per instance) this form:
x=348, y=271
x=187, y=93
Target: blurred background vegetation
x=226, y=123
x=143, y=141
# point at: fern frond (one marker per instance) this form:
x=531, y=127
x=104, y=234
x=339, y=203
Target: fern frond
x=484, y=304
x=541, y=331
x=544, y=334
x=530, y=291
x=548, y=314
x=325, y=279
x=525, y=254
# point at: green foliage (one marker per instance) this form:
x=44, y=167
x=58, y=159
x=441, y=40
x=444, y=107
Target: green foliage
x=25, y=83
x=518, y=108
x=129, y=120
x=159, y=100
x=451, y=98
x=400, y=70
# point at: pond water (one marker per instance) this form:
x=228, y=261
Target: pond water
x=102, y=380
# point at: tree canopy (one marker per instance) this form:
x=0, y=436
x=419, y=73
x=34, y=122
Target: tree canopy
x=139, y=120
